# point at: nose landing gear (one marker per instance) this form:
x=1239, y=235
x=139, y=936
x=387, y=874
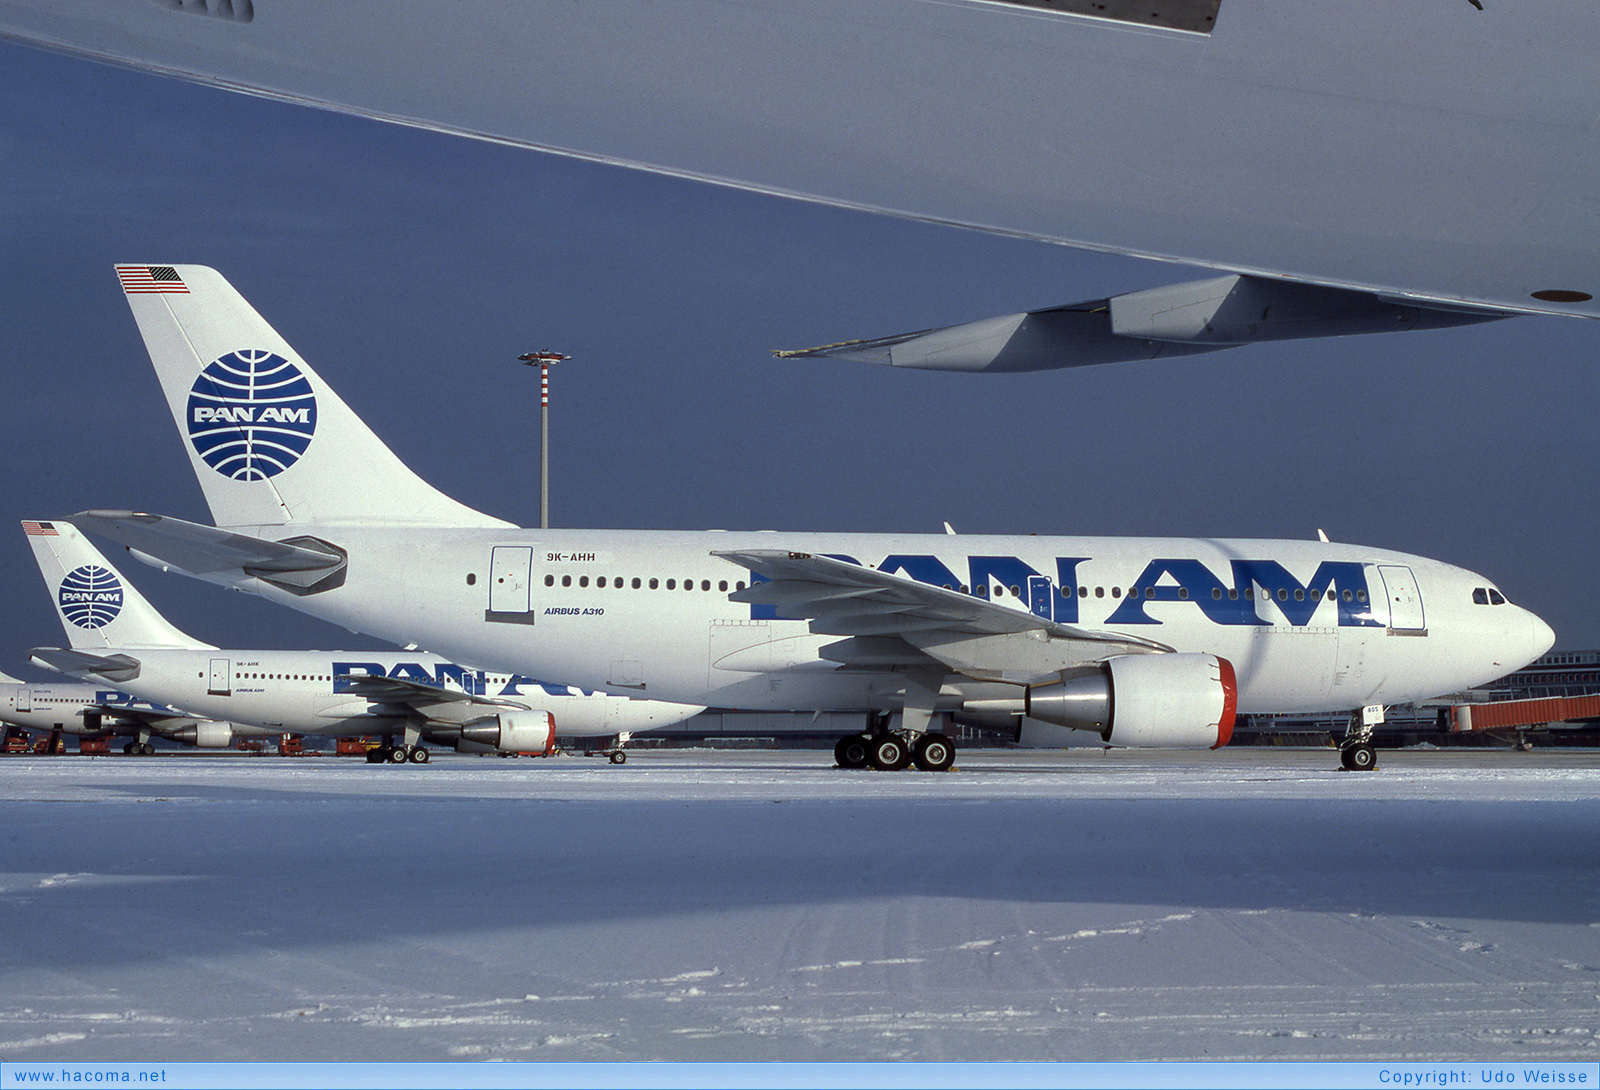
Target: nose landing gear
x=1356, y=752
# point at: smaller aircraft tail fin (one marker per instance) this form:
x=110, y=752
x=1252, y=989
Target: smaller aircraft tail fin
x=97, y=606
x=269, y=440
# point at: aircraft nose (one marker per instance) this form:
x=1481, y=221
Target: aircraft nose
x=1541, y=637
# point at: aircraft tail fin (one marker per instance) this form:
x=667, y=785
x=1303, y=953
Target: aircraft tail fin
x=270, y=442
x=97, y=606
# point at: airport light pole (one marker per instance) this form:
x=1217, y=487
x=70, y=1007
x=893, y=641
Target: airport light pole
x=543, y=360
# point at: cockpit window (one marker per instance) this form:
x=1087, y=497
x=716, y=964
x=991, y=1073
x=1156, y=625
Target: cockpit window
x=1481, y=596
x=1496, y=598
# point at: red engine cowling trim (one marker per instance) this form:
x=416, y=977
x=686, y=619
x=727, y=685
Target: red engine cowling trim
x=1230, y=702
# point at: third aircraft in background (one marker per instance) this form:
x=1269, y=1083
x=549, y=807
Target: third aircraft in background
x=1143, y=641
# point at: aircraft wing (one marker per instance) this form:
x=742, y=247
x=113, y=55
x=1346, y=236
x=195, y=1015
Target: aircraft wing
x=432, y=701
x=1172, y=320
x=1442, y=153
x=79, y=663
x=159, y=720
x=879, y=614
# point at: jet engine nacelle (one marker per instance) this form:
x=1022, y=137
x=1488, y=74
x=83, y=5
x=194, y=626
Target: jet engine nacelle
x=513, y=732
x=1167, y=701
x=206, y=735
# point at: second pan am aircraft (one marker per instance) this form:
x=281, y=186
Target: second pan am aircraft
x=117, y=636
x=1144, y=641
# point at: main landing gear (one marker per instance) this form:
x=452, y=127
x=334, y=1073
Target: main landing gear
x=891, y=751
x=397, y=755
x=139, y=749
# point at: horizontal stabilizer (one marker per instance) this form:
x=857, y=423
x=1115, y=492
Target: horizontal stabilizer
x=1173, y=320
x=301, y=565
x=81, y=663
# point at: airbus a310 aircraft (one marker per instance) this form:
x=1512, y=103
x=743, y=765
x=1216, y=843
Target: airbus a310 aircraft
x=1145, y=641
x=1352, y=167
x=117, y=636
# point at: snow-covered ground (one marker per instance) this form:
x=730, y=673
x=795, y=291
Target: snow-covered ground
x=1250, y=903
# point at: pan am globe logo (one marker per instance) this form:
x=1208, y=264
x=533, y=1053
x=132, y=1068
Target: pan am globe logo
x=90, y=596
x=251, y=415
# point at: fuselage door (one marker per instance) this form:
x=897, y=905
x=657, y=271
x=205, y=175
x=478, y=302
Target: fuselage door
x=510, y=580
x=24, y=700
x=1039, y=596
x=1405, y=601
x=221, y=683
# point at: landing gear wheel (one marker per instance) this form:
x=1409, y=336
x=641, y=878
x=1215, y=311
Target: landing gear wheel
x=619, y=758
x=419, y=756
x=377, y=755
x=397, y=755
x=888, y=753
x=127, y=748
x=851, y=751
x=1359, y=758
x=933, y=753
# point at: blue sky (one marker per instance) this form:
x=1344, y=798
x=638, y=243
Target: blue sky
x=411, y=268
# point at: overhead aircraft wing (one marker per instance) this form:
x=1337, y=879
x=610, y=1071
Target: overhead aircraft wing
x=81, y=663
x=1442, y=153
x=1173, y=320
x=877, y=610
x=300, y=565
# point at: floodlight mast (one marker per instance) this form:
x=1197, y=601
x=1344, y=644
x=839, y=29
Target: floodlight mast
x=543, y=360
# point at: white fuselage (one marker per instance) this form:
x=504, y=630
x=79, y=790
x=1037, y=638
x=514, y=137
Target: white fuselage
x=62, y=706
x=1308, y=626
x=299, y=692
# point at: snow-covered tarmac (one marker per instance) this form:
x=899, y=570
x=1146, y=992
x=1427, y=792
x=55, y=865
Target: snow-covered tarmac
x=1245, y=904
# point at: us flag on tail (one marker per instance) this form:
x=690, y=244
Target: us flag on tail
x=151, y=280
